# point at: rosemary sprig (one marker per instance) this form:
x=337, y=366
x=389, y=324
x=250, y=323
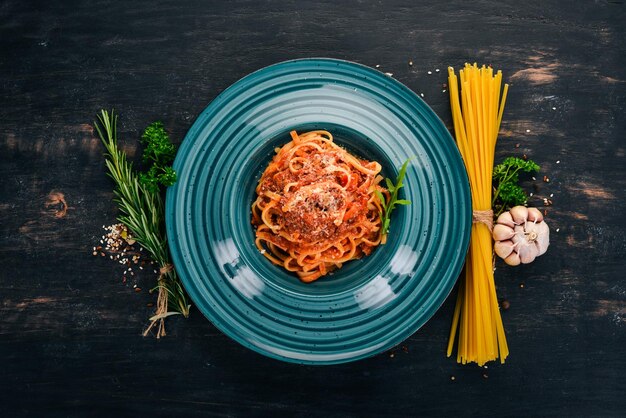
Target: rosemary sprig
x=143, y=212
x=389, y=206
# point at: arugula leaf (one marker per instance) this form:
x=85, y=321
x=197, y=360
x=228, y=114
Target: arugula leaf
x=505, y=176
x=389, y=206
x=159, y=153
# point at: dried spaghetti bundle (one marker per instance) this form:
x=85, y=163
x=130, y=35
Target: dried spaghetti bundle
x=477, y=113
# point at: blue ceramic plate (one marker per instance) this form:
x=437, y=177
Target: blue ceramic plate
x=367, y=306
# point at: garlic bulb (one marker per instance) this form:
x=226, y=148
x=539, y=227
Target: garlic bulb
x=520, y=235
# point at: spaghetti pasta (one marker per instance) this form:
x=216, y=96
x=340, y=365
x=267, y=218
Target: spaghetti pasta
x=477, y=115
x=317, y=207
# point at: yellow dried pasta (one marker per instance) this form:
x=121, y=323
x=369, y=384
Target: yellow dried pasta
x=477, y=114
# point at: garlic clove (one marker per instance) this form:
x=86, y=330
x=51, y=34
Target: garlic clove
x=535, y=215
x=527, y=252
x=519, y=214
x=502, y=232
x=519, y=234
x=503, y=248
x=513, y=259
x=506, y=219
x=543, y=238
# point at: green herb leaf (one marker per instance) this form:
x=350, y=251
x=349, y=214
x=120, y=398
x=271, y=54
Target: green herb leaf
x=381, y=197
x=389, y=206
x=402, y=202
x=159, y=153
x=390, y=185
x=508, y=193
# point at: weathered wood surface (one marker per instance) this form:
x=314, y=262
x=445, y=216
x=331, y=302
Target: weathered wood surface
x=70, y=330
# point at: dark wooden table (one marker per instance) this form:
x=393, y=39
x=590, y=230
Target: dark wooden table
x=70, y=330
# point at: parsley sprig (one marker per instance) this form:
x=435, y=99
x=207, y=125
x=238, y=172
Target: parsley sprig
x=159, y=153
x=508, y=192
x=389, y=206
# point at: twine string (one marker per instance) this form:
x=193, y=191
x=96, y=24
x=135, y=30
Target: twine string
x=483, y=217
x=161, y=306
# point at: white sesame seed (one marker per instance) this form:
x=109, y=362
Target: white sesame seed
x=527, y=130
x=430, y=72
x=443, y=91
x=531, y=195
x=551, y=194
x=558, y=162
x=377, y=65
x=422, y=94
x=558, y=229
x=534, y=178
x=389, y=74
x=437, y=70
x=554, y=108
